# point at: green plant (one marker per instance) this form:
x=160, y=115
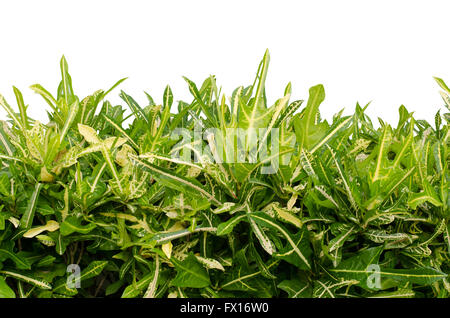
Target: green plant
x=340, y=209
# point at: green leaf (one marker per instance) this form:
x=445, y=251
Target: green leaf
x=254, y=114
x=194, y=91
x=174, y=181
x=358, y=267
x=28, y=216
x=190, y=273
x=168, y=97
x=133, y=290
x=5, y=290
x=22, y=107
x=307, y=130
x=296, y=288
x=428, y=195
x=73, y=110
x=21, y=263
x=324, y=288
x=228, y=226
x=264, y=240
x=115, y=85
x=120, y=129
x=46, y=261
x=391, y=240
x=165, y=237
x=125, y=267
x=297, y=247
x=114, y=287
x=420, y=276
x=400, y=293
x=11, y=113
x=335, y=245
x=27, y=278
x=65, y=89
x=93, y=269
x=241, y=278
x=341, y=124
x=38, y=89
x=153, y=285
x=134, y=106
x=442, y=84
x=73, y=224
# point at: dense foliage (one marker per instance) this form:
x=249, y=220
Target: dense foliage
x=352, y=210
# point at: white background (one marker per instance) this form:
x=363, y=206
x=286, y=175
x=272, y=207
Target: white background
x=381, y=51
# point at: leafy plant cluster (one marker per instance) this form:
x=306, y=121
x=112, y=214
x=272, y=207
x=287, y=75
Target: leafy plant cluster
x=353, y=210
